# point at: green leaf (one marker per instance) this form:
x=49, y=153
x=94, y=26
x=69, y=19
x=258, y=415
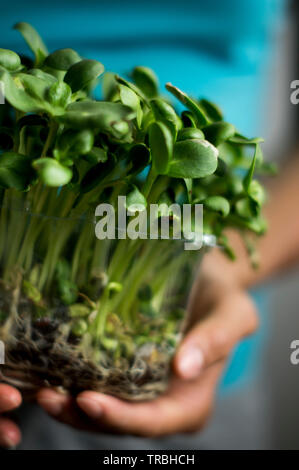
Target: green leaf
x=257, y=225
x=28, y=93
x=109, y=86
x=15, y=171
x=97, y=174
x=199, y=114
x=130, y=85
x=79, y=327
x=256, y=192
x=235, y=185
x=139, y=156
x=96, y=114
x=80, y=74
x=239, y=139
x=217, y=204
x=55, y=73
x=213, y=112
x=82, y=142
x=190, y=133
x=31, y=291
x=33, y=40
x=245, y=208
x=34, y=86
x=165, y=113
x=9, y=60
x=135, y=201
x=161, y=145
x=62, y=59
x=188, y=119
x=79, y=310
x=46, y=77
x=222, y=168
x=130, y=98
x=96, y=155
x=146, y=80
x=68, y=293
x=189, y=185
x=120, y=130
x=16, y=95
x=51, y=172
x=249, y=175
x=193, y=158
x=219, y=132
x=74, y=143
x=59, y=94
x=228, y=250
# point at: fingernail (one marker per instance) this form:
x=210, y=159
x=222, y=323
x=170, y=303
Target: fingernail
x=191, y=362
x=52, y=406
x=8, y=402
x=9, y=439
x=91, y=407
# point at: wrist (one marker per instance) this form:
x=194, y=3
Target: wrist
x=238, y=273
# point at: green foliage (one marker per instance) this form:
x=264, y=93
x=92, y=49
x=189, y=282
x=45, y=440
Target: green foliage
x=55, y=134
x=100, y=115
x=193, y=158
x=217, y=204
x=34, y=41
x=15, y=171
x=9, y=60
x=52, y=173
x=64, y=137
x=80, y=74
x=161, y=144
x=62, y=59
x=146, y=80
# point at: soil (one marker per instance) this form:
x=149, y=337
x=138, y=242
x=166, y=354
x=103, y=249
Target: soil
x=36, y=355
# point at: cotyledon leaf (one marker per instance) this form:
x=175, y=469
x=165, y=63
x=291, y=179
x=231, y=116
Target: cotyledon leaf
x=193, y=158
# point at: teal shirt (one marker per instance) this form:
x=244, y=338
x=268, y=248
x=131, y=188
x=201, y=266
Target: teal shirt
x=215, y=49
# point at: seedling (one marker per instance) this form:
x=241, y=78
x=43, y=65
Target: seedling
x=105, y=314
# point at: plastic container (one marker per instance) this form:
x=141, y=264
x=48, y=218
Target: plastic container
x=81, y=313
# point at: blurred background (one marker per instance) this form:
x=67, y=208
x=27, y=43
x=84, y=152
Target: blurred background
x=242, y=55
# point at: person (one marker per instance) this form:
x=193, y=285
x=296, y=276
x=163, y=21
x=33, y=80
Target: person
x=222, y=310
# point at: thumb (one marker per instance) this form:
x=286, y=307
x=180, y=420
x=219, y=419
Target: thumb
x=213, y=337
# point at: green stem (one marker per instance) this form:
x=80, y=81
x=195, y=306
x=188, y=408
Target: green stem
x=151, y=177
x=50, y=139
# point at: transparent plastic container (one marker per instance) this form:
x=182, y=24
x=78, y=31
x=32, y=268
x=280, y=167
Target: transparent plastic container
x=81, y=313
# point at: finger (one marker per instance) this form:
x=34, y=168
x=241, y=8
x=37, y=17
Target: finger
x=185, y=407
x=10, y=398
x=10, y=435
x=64, y=409
x=51, y=401
x=212, y=339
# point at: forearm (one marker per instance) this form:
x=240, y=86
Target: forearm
x=279, y=248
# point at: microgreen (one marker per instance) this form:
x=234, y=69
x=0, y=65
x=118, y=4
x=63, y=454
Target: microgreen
x=62, y=152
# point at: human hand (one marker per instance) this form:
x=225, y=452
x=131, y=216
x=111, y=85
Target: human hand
x=221, y=315
x=10, y=398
